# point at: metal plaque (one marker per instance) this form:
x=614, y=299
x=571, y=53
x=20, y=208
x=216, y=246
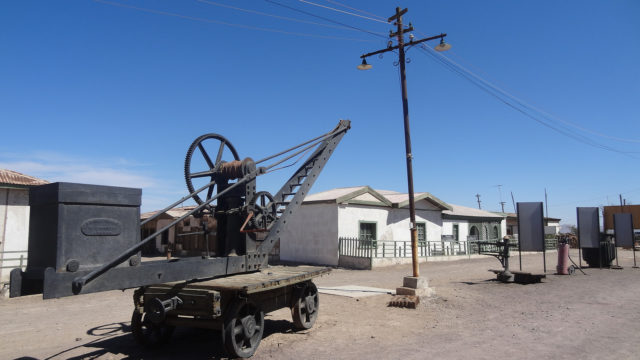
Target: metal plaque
x=530, y=226
x=588, y=227
x=623, y=225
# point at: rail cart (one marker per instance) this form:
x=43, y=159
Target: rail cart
x=235, y=305
x=78, y=232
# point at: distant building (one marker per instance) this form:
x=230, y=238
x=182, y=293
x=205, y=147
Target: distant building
x=14, y=220
x=464, y=223
x=552, y=225
x=608, y=212
x=185, y=238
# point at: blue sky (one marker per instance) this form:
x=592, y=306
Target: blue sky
x=114, y=92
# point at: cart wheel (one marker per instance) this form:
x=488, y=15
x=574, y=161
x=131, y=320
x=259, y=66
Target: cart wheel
x=243, y=328
x=305, y=307
x=147, y=333
x=571, y=270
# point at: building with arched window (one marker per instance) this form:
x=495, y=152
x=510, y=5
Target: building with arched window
x=463, y=223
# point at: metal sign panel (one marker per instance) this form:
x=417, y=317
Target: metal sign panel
x=530, y=226
x=623, y=225
x=588, y=227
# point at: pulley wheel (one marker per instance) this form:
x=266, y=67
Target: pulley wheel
x=203, y=160
x=265, y=209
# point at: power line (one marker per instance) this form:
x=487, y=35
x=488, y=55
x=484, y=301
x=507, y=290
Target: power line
x=352, y=8
x=208, y=2
x=211, y=21
x=547, y=115
x=326, y=19
x=551, y=116
x=344, y=12
x=486, y=86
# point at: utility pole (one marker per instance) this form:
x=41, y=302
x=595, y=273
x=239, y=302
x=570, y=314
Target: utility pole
x=478, y=196
x=502, y=205
x=399, y=35
x=546, y=205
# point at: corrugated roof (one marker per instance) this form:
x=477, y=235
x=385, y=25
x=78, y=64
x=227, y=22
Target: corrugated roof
x=458, y=210
x=10, y=177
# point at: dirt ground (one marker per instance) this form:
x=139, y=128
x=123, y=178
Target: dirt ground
x=592, y=316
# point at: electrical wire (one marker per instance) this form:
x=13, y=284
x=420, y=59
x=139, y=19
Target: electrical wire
x=211, y=21
x=341, y=11
x=326, y=19
x=352, y=8
x=275, y=16
x=580, y=138
x=545, y=114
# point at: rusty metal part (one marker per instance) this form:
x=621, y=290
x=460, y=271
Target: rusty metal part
x=236, y=169
x=404, y=301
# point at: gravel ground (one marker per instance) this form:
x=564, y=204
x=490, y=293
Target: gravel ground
x=590, y=316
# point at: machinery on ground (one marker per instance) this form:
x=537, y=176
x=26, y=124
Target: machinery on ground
x=500, y=250
x=86, y=238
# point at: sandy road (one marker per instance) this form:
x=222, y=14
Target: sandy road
x=566, y=317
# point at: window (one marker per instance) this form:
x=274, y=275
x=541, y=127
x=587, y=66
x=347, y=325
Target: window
x=367, y=231
x=474, y=234
x=456, y=229
x=422, y=233
x=494, y=233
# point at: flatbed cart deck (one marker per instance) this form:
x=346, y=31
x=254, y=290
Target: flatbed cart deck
x=235, y=305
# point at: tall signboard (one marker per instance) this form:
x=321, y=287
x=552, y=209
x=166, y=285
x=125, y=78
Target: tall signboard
x=588, y=227
x=530, y=226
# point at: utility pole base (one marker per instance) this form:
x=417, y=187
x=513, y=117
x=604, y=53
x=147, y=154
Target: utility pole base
x=415, y=286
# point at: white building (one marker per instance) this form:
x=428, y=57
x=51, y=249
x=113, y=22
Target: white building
x=313, y=232
x=14, y=220
x=463, y=223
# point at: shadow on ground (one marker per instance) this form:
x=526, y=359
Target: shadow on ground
x=186, y=343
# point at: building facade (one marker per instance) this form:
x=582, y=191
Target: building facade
x=14, y=220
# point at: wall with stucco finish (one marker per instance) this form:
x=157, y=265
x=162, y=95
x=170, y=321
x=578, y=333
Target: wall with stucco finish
x=14, y=227
x=392, y=224
x=311, y=235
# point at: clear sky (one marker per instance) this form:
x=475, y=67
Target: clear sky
x=114, y=92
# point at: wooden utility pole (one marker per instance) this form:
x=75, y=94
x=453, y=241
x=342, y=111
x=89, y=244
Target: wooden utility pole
x=399, y=35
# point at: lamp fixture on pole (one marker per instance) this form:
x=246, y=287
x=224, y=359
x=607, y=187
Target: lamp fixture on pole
x=364, y=65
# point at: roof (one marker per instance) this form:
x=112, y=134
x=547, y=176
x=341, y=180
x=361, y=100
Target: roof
x=10, y=177
x=365, y=195
x=515, y=216
x=174, y=213
x=459, y=211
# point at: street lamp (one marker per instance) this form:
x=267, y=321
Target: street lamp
x=364, y=65
x=405, y=108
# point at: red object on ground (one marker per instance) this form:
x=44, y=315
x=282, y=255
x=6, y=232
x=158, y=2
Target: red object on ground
x=563, y=259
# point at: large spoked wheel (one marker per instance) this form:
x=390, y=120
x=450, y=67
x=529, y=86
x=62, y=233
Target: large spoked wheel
x=243, y=329
x=200, y=167
x=305, y=307
x=147, y=333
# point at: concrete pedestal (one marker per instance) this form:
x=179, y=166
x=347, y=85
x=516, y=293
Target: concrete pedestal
x=415, y=286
